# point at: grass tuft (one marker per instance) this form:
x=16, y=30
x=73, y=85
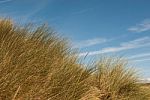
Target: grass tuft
x=37, y=64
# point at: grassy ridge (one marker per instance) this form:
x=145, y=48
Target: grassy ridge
x=35, y=63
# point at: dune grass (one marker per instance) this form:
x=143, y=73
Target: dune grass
x=37, y=64
x=116, y=81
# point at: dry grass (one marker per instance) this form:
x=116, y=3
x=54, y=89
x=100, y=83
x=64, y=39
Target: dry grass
x=146, y=87
x=116, y=82
x=36, y=64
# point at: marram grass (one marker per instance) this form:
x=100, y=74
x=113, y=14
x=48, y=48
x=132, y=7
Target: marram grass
x=36, y=64
x=116, y=81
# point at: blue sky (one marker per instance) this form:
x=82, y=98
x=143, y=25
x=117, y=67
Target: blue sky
x=120, y=27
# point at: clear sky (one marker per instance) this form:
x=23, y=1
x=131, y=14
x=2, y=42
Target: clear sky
x=96, y=27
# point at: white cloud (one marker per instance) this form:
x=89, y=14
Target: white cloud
x=90, y=42
x=4, y=1
x=139, y=60
x=143, y=26
x=137, y=43
x=139, y=55
x=145, y=80
x=28, y=15
x=81, y=11
x=95, y=41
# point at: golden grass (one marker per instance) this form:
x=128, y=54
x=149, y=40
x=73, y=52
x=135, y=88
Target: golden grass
x=116, y=82
x=37, y=64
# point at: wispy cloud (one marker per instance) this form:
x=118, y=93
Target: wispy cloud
x=140, y=42
x=94, y=41
x=140, y=60
x=139, y=56
x=28, y=15
x=82, y=11
x=145, y=80
x=141, y=27
x=39, y=6
x=90, y=42
x=4, y=1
